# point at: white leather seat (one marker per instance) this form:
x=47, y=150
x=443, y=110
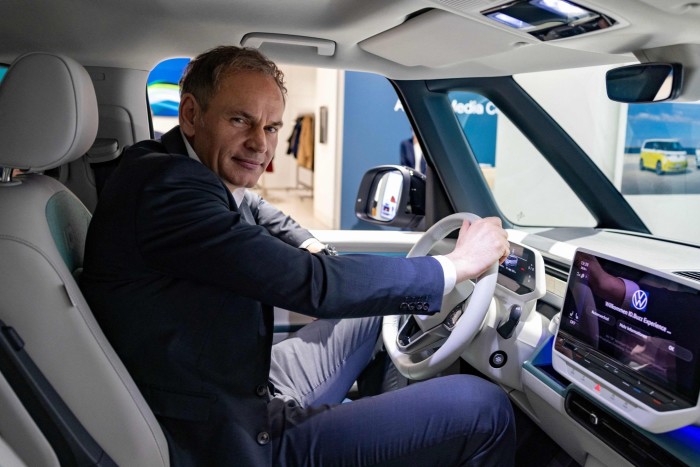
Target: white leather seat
x=48, y=117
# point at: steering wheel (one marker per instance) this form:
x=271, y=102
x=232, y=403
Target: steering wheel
x=410, y=340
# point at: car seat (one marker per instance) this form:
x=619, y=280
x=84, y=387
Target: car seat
x=48, y=117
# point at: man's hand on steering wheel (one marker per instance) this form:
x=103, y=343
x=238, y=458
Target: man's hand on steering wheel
x=443, y=337
x=479, y=246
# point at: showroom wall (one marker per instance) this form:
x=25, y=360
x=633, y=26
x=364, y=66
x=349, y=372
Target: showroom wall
x=301, y=95
x=327, y=170
x=373, y=129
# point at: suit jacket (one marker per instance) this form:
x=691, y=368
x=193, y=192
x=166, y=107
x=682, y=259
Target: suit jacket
x=255, y=210
x=183, y=287
x=408, y=155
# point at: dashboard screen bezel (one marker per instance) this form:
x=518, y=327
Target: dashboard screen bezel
x=686, y=411
x=521, y=282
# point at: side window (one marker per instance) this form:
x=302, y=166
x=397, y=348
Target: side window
x=3, y=70
x=164, y=93
x=527, y=189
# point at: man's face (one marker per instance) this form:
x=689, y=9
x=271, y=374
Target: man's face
x=237, y=135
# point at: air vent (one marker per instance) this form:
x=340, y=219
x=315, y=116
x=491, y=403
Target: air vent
x=694, y=275
x=556, y=269
x=630, y=443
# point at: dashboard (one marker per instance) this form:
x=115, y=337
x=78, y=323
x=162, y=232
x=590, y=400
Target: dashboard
x=566, y=406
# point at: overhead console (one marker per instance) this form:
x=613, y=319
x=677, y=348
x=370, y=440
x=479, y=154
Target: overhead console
x=496, y=36
x=549, y=19
x=628, y=339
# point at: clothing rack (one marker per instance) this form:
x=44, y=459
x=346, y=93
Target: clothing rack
x=302, y=185
x=301, y=147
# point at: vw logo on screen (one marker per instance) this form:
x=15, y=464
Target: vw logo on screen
x=640, y=299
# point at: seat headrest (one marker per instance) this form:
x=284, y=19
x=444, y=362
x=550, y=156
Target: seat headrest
x=48, y=112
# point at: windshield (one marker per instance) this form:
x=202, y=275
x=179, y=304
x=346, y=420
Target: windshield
x=650, y=152
x=510, y=163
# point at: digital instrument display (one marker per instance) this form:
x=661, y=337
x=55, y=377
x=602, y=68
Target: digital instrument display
x=517, y=272
x=634, y=328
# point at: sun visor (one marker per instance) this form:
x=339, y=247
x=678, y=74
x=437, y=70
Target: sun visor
x=426, y=40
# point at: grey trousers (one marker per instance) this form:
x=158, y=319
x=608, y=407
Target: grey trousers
x=319, y=363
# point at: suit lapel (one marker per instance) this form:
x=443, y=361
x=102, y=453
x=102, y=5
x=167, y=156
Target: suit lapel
x=172, y=140
x=174, y=144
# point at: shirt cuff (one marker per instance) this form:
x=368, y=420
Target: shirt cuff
x=309, y=241
x=630, y=288
x=448, y=269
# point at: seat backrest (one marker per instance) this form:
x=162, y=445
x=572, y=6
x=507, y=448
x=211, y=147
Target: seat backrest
x=48, y=117
x=86, y=176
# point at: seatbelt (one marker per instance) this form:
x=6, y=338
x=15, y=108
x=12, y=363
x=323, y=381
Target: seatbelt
x=69, y=440
x=104, y=156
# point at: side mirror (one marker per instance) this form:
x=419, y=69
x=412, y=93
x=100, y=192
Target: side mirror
x=391, y=195
x=646, y=82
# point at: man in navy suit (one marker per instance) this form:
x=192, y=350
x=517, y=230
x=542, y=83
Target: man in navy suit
x=182, y=275
x=412, y=155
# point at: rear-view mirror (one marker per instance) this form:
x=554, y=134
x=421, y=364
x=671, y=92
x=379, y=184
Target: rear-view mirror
x=646, y=82
x=391, y=195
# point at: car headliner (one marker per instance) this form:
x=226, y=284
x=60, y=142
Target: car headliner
x=401, y=39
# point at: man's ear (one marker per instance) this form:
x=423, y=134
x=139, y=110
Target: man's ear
x=188, y=113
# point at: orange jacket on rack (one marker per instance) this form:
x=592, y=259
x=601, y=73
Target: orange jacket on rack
x=305, y=150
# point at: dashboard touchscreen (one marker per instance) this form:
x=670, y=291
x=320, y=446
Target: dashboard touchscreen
x=633, y=322
x=517, y=272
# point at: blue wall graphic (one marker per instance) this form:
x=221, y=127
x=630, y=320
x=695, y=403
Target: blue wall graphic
x=372, y=135
x=478, y=117
x=163, y=90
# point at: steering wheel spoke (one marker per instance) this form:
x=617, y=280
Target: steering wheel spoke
x=412, y=339
x=422, y=346
x=452, y=318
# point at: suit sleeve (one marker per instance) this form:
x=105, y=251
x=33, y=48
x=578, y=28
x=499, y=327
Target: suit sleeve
x=185, y=230
x=276, y=222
